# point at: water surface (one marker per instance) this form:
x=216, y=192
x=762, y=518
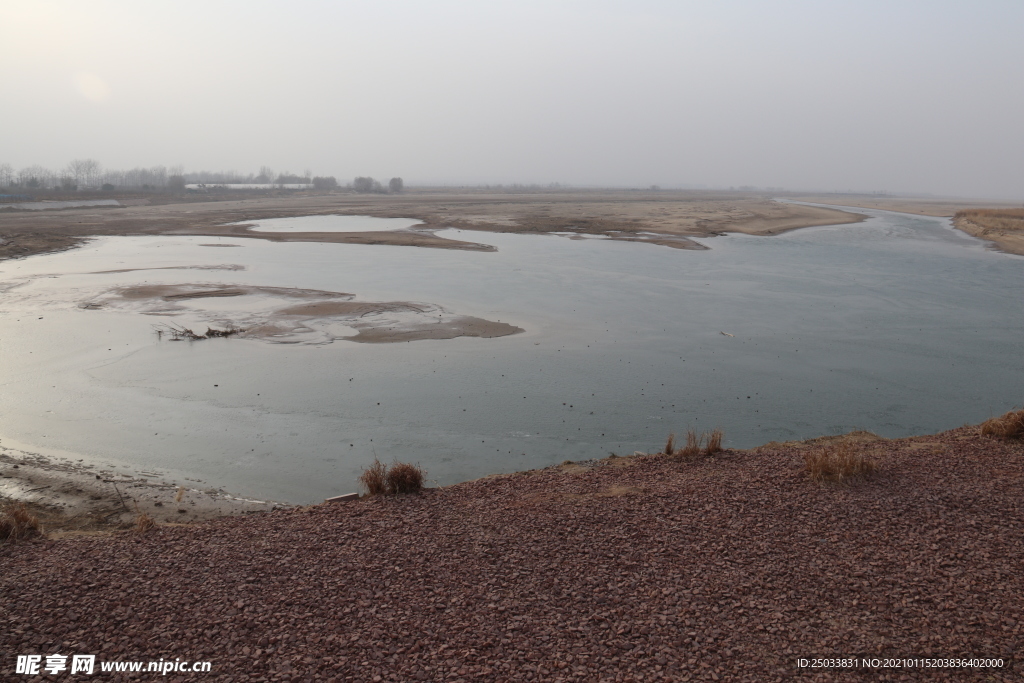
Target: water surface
x=899, y=325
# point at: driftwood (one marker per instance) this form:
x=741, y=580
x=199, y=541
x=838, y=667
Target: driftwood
x=179, y=333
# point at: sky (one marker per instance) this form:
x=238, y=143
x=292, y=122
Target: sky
x=898, y=96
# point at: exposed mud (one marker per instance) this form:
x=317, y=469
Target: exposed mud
x=272, y=314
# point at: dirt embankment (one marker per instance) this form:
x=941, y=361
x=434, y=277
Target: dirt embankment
x=666, y=218
x=724, y=568
x=1004, y=227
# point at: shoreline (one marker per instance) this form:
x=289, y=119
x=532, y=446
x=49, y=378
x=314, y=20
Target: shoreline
x=91, y=499
x=664, y=568
x=1008, y=242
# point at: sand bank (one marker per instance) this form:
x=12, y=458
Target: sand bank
x=615, y=214
x=273, y=314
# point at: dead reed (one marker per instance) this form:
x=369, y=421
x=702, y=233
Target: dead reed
x=404, y=478
x=17, y=523
x=143, y=523
x=714, y=442
x=837, y=463
x=670, y=445
x=704, y=443
x=374, y=478
x=1010, y=425
x=692, y=446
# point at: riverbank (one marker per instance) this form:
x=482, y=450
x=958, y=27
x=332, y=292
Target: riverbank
x=644, y=568
x=984, y=220
x=667, y=218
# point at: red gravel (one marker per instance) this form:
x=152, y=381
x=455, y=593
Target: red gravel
x=723, y=569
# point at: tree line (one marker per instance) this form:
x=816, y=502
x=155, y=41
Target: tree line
x=88, y=174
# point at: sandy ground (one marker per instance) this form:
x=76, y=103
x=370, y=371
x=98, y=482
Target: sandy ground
x=71, y=498
x=650, y=568
x=1011, y=241
x=673, y=217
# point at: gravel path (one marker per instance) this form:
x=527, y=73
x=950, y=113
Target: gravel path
x=717, y=569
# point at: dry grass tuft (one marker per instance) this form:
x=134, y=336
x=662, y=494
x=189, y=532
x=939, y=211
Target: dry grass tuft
x=701, y=444
x=1010, y=425
x=404, y=478
x=692, y=446
x=374, y=478
x=401, y=477
x=670, y=445
x=144, y=523
x=714, y=442
x=17, y=523
x=837, y=463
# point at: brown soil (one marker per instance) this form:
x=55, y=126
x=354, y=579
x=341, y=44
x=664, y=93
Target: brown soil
x=675, y=216
x=727, y=568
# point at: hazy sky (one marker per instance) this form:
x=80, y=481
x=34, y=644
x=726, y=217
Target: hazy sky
x=924, y=96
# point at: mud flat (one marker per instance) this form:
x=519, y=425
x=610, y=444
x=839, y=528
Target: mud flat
x=643, y=568
x=274, y=315
x=672, y=217
x=73, y=498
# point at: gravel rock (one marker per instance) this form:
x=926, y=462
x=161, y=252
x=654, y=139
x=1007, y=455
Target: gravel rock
x=726, y=568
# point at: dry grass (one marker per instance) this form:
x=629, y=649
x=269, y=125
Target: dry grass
x=692, y=446
x=698, y=444
x=1010, y=425
x=401, y=477
x=17, y=523
x=670, y=445
x=404, y=478
x=714, y=442
x=374, y=478
x=837, y=463
x=1007, y=220
x=144, y=523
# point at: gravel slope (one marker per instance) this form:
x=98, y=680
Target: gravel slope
x=716, y=569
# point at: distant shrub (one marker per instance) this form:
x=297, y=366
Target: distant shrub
x=1010, y=425
x=107, y=187
x=396, y=185
x=325, y=182
x=17, y=523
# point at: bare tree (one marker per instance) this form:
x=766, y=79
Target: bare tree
x=6, y=175
x=266, y=175
x=396, y=185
